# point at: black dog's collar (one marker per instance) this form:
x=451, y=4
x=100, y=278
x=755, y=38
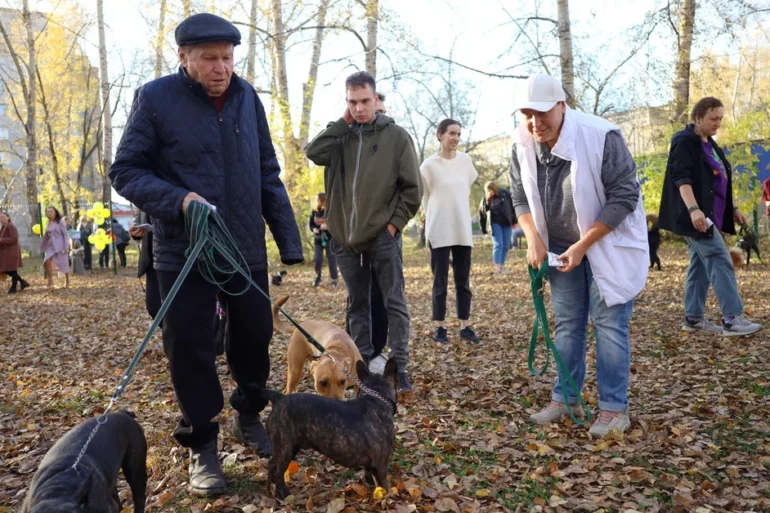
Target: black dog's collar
x=368, y=391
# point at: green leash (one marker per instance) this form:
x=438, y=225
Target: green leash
x=219, y=259
x=537, y=279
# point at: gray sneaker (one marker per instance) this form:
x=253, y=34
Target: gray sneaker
x=554, y=412
x=701, y=325
x=739, y=326
x=609, y=421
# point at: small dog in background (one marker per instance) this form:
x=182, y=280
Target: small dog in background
x=747, y=243
x=653, y=239
x=277, y=279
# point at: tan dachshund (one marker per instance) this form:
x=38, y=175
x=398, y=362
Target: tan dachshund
x=330, y=381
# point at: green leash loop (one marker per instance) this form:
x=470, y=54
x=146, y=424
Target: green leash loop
x=537, y=279
x=219, y=259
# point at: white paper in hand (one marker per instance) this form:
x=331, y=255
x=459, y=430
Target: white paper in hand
x=709, y=223
x=553, y=260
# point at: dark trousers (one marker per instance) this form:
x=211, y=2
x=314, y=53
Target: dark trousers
x=461, y=268
x=15, y=278
x=318, y=259
x=104, y=257
x=385, y=256
x=188, y=340
x=122, y=253
x=379, y=317
x=151, y=292
x=87, y=256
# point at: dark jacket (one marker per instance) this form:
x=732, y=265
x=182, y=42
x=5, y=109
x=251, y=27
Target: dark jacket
x=10, y=251
x=175, y=142
x=502, y=208
x=687, y=164
x=372, y=179
x=145, y=250
x=318, y=237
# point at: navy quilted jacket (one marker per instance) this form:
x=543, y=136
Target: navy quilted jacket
x=175, y=142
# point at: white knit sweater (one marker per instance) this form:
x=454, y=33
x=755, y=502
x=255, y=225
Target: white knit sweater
x=446, y=200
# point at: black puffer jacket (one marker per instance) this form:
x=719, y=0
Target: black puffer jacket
x=175, y=142
x=687, y=164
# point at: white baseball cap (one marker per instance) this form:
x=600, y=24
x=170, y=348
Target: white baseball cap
x=540, y=93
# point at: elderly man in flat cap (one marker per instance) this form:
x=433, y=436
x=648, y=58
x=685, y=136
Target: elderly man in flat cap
x=201, y=135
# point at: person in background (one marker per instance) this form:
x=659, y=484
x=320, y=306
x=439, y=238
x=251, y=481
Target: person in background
x=10, y=253
x=121, y=238
x=86, y=229
x=497, y=204
x=766, y=195
x=697, y=203
x=104, y=255
x=141, y=230
x=77, y=256
x=321, y=240
x=447, y=177
x=55, y=245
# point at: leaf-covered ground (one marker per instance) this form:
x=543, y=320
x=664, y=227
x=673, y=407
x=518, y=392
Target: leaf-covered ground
x=700, y=404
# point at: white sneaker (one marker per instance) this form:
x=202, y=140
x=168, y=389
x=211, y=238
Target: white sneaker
x=377, y=365
x=701, y=325
x=739, y=326
x=554, y=412
x=609, y=421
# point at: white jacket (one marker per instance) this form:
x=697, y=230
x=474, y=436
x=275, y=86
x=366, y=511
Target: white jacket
x=619, y=260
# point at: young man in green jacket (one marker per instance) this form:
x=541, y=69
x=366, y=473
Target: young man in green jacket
x=373, y=190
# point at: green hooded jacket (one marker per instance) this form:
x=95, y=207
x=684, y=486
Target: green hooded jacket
x=372, y=179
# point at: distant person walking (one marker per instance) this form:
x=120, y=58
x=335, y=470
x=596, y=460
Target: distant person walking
x=697, y=203
x=498, y=206
x=321, y=240
x=447, y=177
x=86, y=229
x=10, y=253
x=55, y=245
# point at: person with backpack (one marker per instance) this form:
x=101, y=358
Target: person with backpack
x=498, y=205
x=321, y=239
x=121, y=237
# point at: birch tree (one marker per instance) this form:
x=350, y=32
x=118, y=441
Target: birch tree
x=106, y=152
x=684, y=36
x=160, y=40
x=565, y=50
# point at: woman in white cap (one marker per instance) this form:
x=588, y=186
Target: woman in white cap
x=576, y=195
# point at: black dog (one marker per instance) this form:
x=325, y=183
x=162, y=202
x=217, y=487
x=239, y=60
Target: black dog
x=92, y=486
x=653, y=239
x=748, y=242
x=356, y=434
x=277, y=279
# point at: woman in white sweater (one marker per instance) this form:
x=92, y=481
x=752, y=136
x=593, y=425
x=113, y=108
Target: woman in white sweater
x=447, y=178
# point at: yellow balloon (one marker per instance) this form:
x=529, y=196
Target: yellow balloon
x=100, y=232
x=98, y=205
x=91, y=213
x=105, y=212
x=92, y=239
x=100, y=246
x=99, y=220
x=36, y=229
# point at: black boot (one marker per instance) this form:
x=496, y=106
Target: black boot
x=24, y=284
x=12, y=290
x=248, y=429
x=206, y=477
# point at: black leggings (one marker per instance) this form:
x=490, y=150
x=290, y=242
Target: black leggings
x=15, y=278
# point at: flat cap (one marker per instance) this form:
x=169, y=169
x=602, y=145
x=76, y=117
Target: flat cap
x=206, y=28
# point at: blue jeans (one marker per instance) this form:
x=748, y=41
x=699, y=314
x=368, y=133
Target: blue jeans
x=501, y=242
x=576, y=295
x=710, y=262
x=515, y=234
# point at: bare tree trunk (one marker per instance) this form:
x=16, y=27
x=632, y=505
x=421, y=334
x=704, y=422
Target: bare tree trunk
x=187, y=8
x=159, y=40
x=308, y=88
x=682, y=77
x=372, y=21
x=52, y=148
x=251, y=56
x=34, y=213
x=291, y=150
x=106, y=105
x=565, y=51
